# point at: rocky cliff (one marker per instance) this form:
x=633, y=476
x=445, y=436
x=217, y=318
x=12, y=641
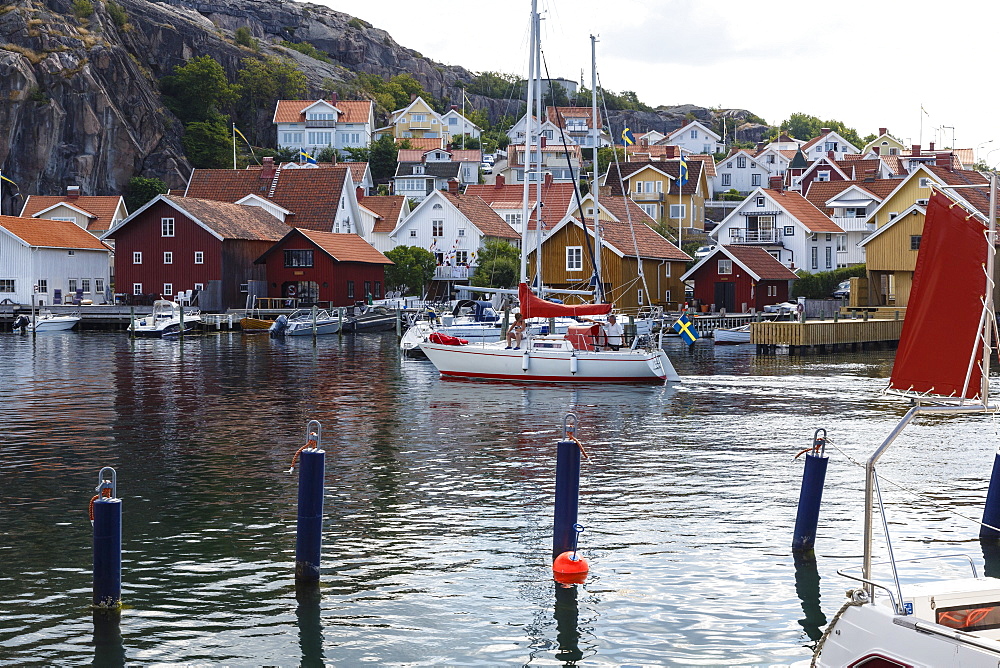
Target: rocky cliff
x=82, y=103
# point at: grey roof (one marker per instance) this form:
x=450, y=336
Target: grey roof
x=440, y=170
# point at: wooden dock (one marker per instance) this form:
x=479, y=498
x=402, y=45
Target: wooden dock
x=825, y=335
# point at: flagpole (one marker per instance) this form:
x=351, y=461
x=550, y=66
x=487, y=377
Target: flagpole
x=234, y=145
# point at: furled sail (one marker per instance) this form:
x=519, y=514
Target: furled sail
x=536, y=307
x=940, y=349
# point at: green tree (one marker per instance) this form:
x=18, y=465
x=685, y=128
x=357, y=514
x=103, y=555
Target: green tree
x=498, y=265
x=243, y=37
x=412, y=268
x=803, y=126
x=207, y=144
x=468, y=141
x=198, y=89
x=606, y=155
x=383, y=155
x=140, y=190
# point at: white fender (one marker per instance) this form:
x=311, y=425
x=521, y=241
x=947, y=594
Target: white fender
x=525, y=361
x=574, y=364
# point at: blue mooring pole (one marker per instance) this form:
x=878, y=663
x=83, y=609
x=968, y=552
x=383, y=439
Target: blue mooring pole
x=107, y=519
x=309, y=534
x=991, y=511
x=567, y=490
x=811, y=494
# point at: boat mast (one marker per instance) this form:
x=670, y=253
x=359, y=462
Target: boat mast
x=595, y=187
x=538, y=162
x=528, y=128
x=988, y=333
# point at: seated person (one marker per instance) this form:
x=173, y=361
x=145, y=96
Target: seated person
x=613, y=331
x=516, y=331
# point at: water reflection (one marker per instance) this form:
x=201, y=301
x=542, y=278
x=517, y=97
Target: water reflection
x=109, y=651
x=567, y=617
x=307, y=615
x=991, y=558
x=808, y=591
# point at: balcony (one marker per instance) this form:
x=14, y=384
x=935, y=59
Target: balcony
x=327, y=123
x=755, y=237
x=420, y=125
x=447, y=273
x=647, y=197
x=854, y=224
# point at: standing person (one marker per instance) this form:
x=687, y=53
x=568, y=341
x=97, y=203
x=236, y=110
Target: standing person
x=613, y=331
x=516, y=331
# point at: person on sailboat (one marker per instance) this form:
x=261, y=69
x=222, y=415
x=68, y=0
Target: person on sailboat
x=614, y=333
x=516, y=331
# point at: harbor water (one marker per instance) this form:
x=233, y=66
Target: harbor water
x=438, y=506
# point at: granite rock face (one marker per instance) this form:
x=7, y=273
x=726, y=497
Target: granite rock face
x=81, y=102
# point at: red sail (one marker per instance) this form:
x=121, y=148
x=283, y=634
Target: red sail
x=941, y=331
x=536, y=307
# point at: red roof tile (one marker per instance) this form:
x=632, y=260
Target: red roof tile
x=557, y=198
x=557, y=115
x=47, y=233
x=387, y=207
x=482, y=216
x=101, y=207
x=760, y=262
x=293, y=111
x=803, y=211
x=345, y=247
x=619, y=234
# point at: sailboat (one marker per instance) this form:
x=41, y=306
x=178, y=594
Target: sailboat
x=946, y=622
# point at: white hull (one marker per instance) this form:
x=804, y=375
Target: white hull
x=166, y=327
x=306, y=329
x=874, y=630
x=417, y=334
x=731, y=336
x=556, y=364
x=56, y=323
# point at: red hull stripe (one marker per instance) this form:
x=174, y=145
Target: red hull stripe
x=554, y=379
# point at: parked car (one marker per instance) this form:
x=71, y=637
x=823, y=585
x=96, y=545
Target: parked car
x=486, y=167
x=703, y=251
x=489, y=158
x=843, y=290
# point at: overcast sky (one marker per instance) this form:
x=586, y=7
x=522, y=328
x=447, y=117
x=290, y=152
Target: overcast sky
x=869, y=64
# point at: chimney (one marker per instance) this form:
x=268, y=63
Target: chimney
x=453, y=186
x=882, y=131
x=945, y=160
x=548, y=179
x=360, y=192
x=544, y=140
x=454, y=107
x=267, y=170
x=501, y=181
x=333, y=99
x=670, y=151
x=413, y=96
x=761, y=145
x=930, y=147
x=877, y=150
x=72, y=192
x=831, y=155
x=825, y=131
x=775, y=182
x=916, y=151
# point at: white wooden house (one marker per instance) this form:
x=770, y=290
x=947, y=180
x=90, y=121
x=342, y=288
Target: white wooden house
x=52, y=259
x=459, y=124
x=741, y=171
x=312, y=125
x=830, y=144
x=696, y=138
x=787, y=226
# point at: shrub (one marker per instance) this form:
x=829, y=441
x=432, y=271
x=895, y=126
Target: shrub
x=82, y=8
x=822, y=284
x=356, y=23
x=117, y=14
x=307, y=49
x=244, y=38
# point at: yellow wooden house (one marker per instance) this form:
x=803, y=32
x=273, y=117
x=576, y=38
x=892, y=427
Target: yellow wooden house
x=567, y=252
x=417, y=120
x=885, y=143
x=653, y=185
x=891, y=250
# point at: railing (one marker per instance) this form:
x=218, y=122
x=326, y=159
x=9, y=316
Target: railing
x=854, y=224
x=326, y=123
x=755, y=236
x=449, y=273
x=420, y=125
x=647, y=197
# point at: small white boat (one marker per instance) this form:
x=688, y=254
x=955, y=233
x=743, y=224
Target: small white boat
x=46, y=321
x=300, y=323
x=165, y=320
x=731, y=335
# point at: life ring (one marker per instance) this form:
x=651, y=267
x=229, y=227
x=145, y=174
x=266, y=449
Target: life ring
x=291, y=290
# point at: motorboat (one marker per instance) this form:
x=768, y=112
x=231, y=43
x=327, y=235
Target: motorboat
x=731, y=335
x=938, y=621
x=306, y=322
x=165, y=320
x=46, y=321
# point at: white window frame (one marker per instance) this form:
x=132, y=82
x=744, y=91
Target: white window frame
x=42, y=286
x=168, y=290
x=99, y=286
x=137, y=288
x=167, y=227
x=678, y=211
x=199, y=257
x=168, y=257
x=725, y=267
x=574, y=258
x=437, y=228
x=413, y=233
x=136, y=257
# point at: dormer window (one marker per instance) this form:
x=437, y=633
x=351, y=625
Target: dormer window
x=418, y=169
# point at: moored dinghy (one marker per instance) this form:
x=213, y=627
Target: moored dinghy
x=945, y=622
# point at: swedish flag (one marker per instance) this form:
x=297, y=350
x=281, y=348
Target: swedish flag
x=627, y=137
x=682, y=177
x=686, y=329
x=311, y=160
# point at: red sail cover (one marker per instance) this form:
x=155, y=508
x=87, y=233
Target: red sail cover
x=536, y=307
x=941, y=331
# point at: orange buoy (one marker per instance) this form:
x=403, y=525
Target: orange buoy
x=568, y=563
